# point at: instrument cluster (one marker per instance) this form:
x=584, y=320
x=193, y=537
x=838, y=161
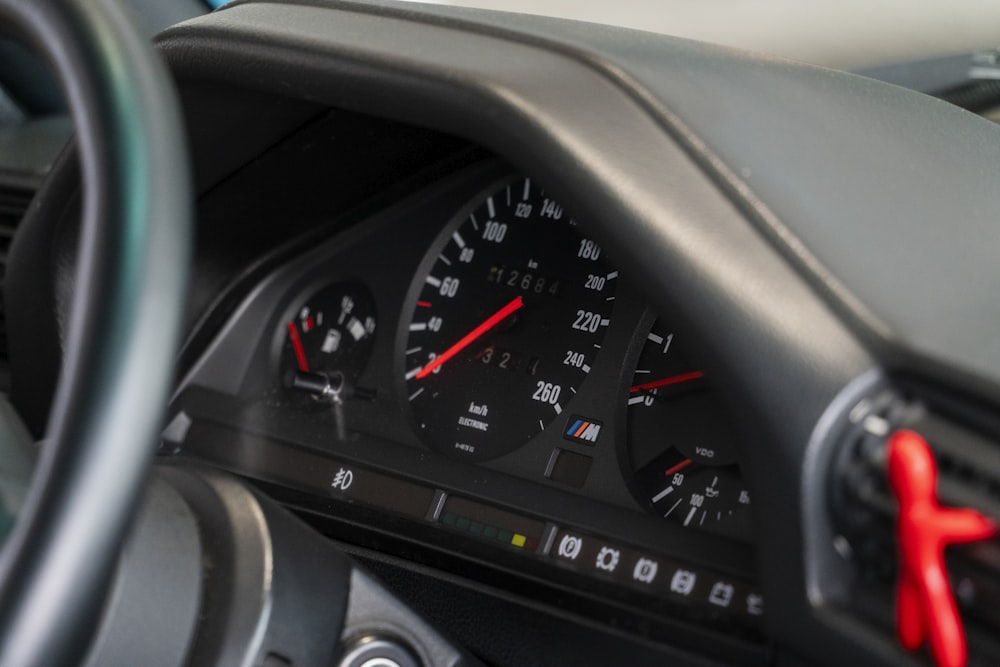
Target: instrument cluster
x=470, y=363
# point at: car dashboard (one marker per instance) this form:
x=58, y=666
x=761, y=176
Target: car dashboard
x=564, y=330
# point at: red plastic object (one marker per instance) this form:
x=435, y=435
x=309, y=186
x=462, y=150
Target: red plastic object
x=925, y=605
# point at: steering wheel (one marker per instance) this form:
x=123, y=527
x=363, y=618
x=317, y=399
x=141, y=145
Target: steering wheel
x=123, y=330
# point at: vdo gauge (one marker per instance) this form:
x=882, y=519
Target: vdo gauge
x=681, y=443
x=507, y=317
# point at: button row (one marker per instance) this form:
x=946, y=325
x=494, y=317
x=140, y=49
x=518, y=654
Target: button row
x=659, y=576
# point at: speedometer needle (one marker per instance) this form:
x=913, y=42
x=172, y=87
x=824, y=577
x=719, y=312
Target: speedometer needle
x=466, y=340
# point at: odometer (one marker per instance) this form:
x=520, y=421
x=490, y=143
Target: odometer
x=509, y=315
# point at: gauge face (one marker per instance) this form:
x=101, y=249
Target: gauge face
x=333, y=331
x=681, y=443
x=508, y=320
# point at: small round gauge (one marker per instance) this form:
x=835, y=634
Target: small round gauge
x=509, y=314
x=681, y=443
x=332, y=332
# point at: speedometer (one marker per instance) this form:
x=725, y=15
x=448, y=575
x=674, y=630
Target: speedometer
x=509, y=312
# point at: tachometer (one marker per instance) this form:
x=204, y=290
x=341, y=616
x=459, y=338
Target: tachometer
x=509, y=315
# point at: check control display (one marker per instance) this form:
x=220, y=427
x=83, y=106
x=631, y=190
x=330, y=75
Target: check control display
x=546, y=544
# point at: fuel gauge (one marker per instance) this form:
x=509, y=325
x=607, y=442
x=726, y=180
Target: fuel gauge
x=328, y=338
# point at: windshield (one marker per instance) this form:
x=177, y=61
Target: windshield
x=848, y=34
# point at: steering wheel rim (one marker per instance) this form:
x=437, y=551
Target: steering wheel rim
x=123, y=330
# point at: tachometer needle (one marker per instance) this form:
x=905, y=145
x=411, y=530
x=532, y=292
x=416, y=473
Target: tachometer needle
x=675, y=379
x=466, y=340
x=300, y=354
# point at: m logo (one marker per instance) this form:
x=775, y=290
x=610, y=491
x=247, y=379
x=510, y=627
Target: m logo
x=582, y=430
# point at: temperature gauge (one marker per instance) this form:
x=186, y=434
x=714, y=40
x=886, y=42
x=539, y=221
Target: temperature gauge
x=329, y=336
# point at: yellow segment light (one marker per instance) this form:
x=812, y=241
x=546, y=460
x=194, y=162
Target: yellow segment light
x=518, y=540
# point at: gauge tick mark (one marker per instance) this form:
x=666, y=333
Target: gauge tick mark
x=687, y=519
x=663, y=494
x=673, y=507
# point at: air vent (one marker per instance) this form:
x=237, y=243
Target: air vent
x=13, y=205
x=864, y=511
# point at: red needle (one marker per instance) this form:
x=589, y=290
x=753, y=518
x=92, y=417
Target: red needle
x=300, y=354
x=676, y=379
x=677, y=468
x=466, y=340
